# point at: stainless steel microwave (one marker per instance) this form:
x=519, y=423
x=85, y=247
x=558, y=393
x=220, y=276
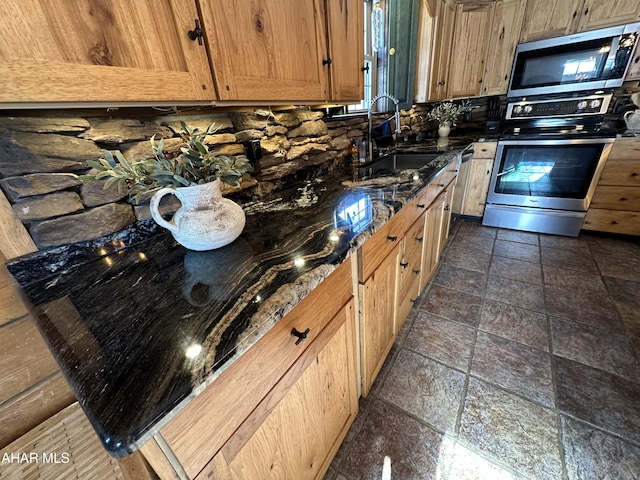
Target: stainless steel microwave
x=584, y=61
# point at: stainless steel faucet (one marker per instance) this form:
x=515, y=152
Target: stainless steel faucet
x=397, y=117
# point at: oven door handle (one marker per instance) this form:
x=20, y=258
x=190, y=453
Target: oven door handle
x=506, y=172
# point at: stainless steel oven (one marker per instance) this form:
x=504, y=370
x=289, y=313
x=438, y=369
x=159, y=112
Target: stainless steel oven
x=584, y=61
x=547, y=165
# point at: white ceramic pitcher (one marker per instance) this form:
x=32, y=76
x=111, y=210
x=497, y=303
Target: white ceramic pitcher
x=632, y=119
x=206, y=220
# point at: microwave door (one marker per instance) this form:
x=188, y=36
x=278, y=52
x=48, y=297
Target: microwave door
x=586, y=61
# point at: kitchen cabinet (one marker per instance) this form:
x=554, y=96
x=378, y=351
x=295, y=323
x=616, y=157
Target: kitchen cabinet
x=107, y=51
x=598, y=14
x=284, y=403
x=445, y=18
x=290, y=50
x=554, y=18
x=378, y=317
x=437, y=222
x=304, y=426
x=474, y=179
x=615, y=206
x=550, y=18
x=470, y=33
x=392, y=269
x=410, y=269
x=505, y=32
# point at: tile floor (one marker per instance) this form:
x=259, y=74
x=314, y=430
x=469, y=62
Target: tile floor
x=521, y=361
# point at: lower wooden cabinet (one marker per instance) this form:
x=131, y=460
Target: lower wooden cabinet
x=298, y=427
x=615, y=206
x=473, y=180
x=378, y=317
x=392, y=285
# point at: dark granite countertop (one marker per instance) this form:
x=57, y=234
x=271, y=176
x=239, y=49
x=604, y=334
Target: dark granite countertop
x=140, y=325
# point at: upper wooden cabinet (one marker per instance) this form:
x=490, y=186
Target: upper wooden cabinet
x=288, y=50
x=549, y=18
x=445, y=19
x=101, y=51
x=345, y=22
x=470, y=34
x=554, y=18
x=598, y=14
x=505, y=30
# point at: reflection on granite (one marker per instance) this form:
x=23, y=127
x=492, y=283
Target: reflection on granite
x=140, y=325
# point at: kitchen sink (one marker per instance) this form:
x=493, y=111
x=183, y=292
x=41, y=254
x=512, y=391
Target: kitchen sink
x=402, y=161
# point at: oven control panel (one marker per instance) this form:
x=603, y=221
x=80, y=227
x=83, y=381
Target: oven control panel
x=563, y=107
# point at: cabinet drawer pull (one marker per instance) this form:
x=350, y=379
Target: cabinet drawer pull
x=447, y=208
x=419, y=239
x=421, y=205
x=413, y=300
x=392, y=239
x=327, y=61
x=301, y=335
x=404, y=265
x=417, y=272
x=441, y=184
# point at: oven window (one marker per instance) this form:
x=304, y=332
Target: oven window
x=559, y=171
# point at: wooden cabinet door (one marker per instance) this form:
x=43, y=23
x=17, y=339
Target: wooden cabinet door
x=410, y=270
x=307, y=414
x=478, y=181
x=505, y=32
x=550, y=18
x=378, y=318
x=267, y=50
x=346, y=43
x=446, y=216
x=101, y=51
x=433, y=228
x=472, y=26
x=598, y=14
x=445, y=19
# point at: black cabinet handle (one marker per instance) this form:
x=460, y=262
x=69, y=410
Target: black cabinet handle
x=447, y=208
x=391, y=239
x=196, y=33
x=328, y=61
x=441, y=184
x=404, y=265
x=413, y=300
x=421, y=205
x=365, y=69
x=301, y=335
x=419, y=239
x=417, y=272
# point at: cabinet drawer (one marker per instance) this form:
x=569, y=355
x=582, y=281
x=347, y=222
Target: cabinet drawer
x=621, y=171
x=613, y=221
x=375, y=249
x=616, y=198
x=485, y=149
x=203, y=426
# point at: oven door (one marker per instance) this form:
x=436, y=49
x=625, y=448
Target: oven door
x=585, y=61
x=551, y=174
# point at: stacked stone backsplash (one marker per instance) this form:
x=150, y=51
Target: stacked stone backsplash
x=40, y=154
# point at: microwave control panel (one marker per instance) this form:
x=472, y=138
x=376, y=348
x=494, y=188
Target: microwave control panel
x=567, y=107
